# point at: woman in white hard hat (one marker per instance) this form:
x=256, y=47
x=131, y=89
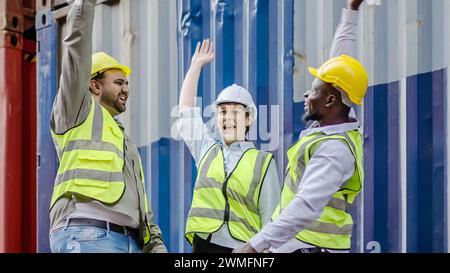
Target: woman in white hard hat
x=237, y=187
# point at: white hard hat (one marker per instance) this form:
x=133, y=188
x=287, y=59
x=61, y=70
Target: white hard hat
x=237, y=94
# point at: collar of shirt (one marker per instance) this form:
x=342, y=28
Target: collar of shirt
x=331, y=129
x=120, y=124
x=233, y=153
x=238, y=146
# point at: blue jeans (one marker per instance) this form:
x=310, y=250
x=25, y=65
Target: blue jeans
x=85, y=239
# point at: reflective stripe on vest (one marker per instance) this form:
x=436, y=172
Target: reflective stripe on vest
x=334, y=228
x=91, y=158
x=238, y=206
x=89, y=174
x=219, y=215
x=92, y=145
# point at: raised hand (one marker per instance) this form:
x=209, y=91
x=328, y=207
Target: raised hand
x=204, y=53
x=354, y=4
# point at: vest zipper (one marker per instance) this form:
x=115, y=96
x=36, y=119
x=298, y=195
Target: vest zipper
x=226, y=216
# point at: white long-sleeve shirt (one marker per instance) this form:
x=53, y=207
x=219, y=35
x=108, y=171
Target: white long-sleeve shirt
x=331, y=165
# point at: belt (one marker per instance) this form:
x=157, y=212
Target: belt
x=104, y=225
x=312, y=250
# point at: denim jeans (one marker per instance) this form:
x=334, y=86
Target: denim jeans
x=85, y=239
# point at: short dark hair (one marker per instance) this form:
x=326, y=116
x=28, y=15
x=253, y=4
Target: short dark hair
x=333, y=90
x=98, y=77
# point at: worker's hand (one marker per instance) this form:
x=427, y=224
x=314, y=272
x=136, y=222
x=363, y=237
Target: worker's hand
x=204, y=53
x=354, y=4
x=247, y=248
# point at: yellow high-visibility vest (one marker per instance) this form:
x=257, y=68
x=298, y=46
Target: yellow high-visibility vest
x=233, y=200
x=91, y=161
x=334, y=227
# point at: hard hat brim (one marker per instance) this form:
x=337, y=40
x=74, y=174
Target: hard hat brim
x=315, y=73
x=252, y=106
x=125, y=69
x=227, y=101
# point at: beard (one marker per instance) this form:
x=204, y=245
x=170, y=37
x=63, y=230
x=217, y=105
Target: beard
x=113, y=102
x=308, y=116
x=119, y=106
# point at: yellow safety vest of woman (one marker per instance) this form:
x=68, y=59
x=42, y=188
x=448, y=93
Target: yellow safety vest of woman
x=91, y=161
x=334, y=227
x=233, y=200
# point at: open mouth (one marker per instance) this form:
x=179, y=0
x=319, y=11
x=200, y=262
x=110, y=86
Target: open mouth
x=229, y=128
x=123, y=98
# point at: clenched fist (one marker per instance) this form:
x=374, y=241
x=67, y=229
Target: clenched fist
x=354, y=4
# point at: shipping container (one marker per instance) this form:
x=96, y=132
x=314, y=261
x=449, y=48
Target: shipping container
x=18, y=126
x=266, y=46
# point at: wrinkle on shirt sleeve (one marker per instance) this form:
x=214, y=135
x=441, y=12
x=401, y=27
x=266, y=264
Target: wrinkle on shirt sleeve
x=194, y=132
x=329, y=168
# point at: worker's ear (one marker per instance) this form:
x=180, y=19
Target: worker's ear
x=95, y=87
x=331, y=100
x=333, y=96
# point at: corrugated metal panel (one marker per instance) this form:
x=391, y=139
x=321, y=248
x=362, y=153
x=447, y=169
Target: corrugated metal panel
x=446, y=129
x=47, y=75
x=266, y=46
x=18, y=128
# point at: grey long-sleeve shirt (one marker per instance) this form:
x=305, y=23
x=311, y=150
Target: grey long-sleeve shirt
x=70, y=109
x=331, y=165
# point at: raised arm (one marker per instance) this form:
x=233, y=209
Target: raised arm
x=345, y=38
x=331, y=164
x=203, y=55
x=70, y=104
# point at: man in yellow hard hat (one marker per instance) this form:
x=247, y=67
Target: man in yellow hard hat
x=325, y=168
x=99, y=201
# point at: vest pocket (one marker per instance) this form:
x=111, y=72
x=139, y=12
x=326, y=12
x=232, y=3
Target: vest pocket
x=96, y=160
x=96, y=156
x=97, y=165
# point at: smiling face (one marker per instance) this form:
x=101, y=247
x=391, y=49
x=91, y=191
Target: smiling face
x=316, y=101
x=232, y=120
x=111, y=91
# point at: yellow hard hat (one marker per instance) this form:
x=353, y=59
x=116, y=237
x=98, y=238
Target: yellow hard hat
x=102, y=62
x=345, y=73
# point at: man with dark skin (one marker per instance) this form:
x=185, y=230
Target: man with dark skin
x=324, y=105
x=325, y=171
